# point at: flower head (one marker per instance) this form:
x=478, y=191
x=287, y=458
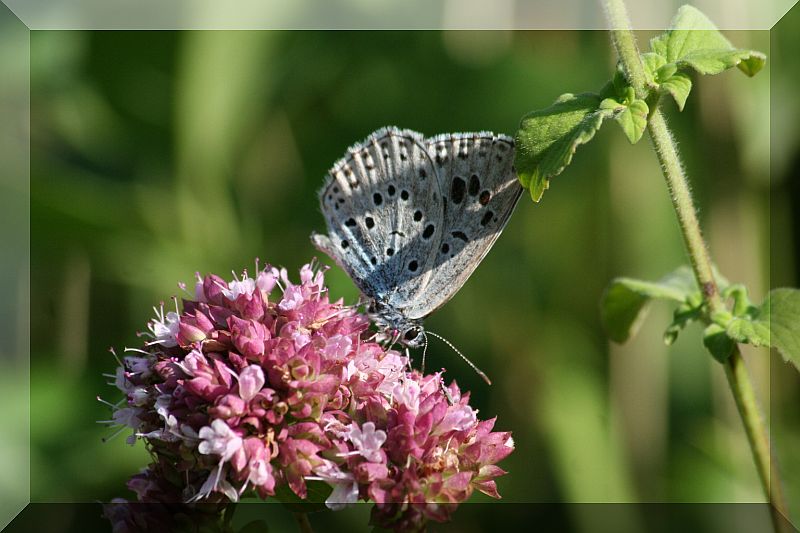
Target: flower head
x=253, y=388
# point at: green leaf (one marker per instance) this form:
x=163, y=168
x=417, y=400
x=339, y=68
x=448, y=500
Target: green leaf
x=689, y=32
x=665, y=78
x=633, y=120
x=679, y=85
x=547, y=138
x=684, y=315
x=694, y=41
x=717, y=341
x=716, y=61
x=652, y=62
x=775, y=323
x=629, y=112
x=666, y=71
x=781, y=310
x=741, y=302
x=747, y=331
x=625, y=300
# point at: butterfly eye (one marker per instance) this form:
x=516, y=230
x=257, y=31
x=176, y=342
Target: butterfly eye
x=411, y=334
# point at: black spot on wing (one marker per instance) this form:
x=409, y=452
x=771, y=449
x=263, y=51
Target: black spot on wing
x=457, y=190
x=474, y=185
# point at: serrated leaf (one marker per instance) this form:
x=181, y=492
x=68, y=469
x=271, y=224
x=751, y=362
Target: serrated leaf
x=694, y=41
x=679, y=85
x=625, y=300
x=547, y=138
x=781, y=310
x=717, y=341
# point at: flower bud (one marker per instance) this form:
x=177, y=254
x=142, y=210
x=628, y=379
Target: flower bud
x=248, y=337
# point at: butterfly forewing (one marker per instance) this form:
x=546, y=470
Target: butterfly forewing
x=480, y=188
x=384, y=209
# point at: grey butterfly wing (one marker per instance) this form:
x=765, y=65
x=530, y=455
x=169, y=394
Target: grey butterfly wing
x=480, y=189
x=383, y=210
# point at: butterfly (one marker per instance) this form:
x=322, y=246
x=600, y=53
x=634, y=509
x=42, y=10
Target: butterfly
x=409, y=218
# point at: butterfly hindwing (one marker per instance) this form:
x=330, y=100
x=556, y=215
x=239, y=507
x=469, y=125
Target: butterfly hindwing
x=480, y=189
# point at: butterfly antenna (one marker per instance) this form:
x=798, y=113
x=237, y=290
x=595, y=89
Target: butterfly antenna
x=464, y=357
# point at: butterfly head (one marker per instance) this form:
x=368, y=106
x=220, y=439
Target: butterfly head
x=413, y=336
x=409, y=332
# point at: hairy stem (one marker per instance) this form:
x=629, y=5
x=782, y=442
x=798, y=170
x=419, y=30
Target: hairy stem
x=678, y=185
x=746, y=402
x=625, y=44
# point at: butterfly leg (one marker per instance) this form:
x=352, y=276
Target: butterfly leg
x=408, y=360
x=395, y=338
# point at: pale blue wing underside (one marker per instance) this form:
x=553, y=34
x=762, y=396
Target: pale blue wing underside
x=409, y=218
x=383, y=209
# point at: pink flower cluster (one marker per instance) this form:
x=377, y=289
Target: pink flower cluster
x=253, y=387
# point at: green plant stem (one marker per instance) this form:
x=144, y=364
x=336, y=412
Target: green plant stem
x=678, y=185
x=735, y=370
x=303, y=523
x=625, y=44
x=227, y=517
x=747, y=405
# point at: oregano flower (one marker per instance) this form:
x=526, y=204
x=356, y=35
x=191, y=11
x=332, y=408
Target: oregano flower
x=248, y=389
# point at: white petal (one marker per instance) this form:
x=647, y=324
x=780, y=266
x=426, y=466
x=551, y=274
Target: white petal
x=343, y=495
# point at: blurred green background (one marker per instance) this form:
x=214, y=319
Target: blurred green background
x=156, y=154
